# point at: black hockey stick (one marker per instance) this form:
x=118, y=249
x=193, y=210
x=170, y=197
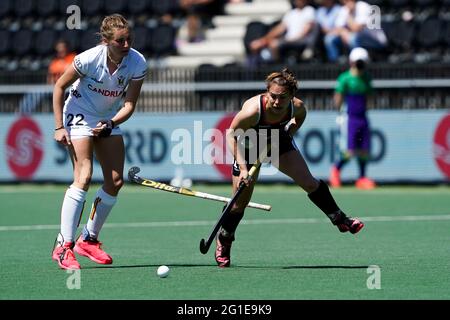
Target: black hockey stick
x=204, y=245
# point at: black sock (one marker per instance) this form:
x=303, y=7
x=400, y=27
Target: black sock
x=362, y=166
x=231, y=223
x=323, y=199
x=341, y=163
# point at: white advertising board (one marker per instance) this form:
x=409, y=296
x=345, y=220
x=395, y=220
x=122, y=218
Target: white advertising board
x=409, y=146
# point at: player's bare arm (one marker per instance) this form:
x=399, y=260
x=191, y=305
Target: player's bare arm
x=131, y=97
x=298, y=118
x=69, y=77
x=338, y=99
x=244, y=120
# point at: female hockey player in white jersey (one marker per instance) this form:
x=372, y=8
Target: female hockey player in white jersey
x=106, y=82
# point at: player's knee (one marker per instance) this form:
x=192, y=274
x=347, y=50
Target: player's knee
x=310, y=185
x=239, y=207
x=347, y=155
x=117, y=183
x=364, y=156
x=84, y=180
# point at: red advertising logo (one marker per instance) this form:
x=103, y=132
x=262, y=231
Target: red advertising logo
x=441, y=146
x=219, y=159
x=24, y=145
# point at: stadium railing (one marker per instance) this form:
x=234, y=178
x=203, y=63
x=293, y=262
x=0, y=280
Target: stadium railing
x=225, y=89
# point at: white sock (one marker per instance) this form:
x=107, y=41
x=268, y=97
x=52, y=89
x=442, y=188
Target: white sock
x=101, y=208
x=71, y=210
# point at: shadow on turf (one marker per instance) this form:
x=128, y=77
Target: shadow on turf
x=147, y=266
x=213, y=265
x=326, y=267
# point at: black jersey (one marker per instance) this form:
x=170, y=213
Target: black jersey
x=265, y=131
x=263, y=123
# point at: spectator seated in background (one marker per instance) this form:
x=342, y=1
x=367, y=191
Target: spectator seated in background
x=60, y=62
x=354, y=29
x=295, y=31
x=326, y=16
x=199, y=13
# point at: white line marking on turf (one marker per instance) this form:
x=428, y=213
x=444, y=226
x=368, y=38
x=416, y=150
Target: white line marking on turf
x=389, y=191
x=249, y=222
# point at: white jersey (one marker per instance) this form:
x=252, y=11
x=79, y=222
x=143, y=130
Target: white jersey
x=363, y=15
x=97, y=92
x=296, y=20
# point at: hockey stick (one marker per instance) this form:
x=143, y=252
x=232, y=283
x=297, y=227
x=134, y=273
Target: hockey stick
x=204, y=245
x=132, y=176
